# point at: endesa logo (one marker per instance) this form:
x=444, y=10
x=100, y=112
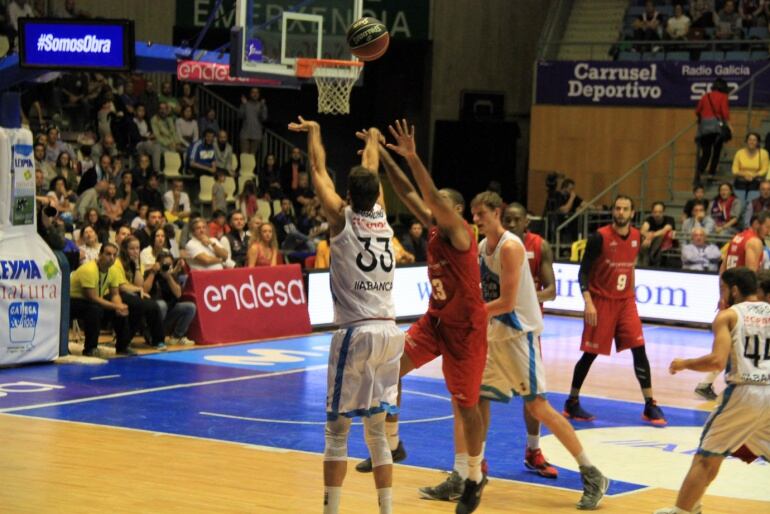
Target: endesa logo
x=252, y=296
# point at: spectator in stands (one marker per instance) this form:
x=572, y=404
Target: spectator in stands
x=188, y=99
x=142, y=170
x=150, y=194
x=56, y=146
x=106, y=112
x=165, y=131
x=128, y=98
x=761, y=203
x=726, y=210
x=140, y=221
x=270, y=177
x=148, y=256
x=648, y=26
x=713, y=109
x=128, y=196
x=289, y=236
x=728, y=22
x=253, y=114
x=698, y=255
x=566, y=203
x=98, y=223
x=89, y=245
x=414, y=241
x=48, y=168
x=678, y=26
x=64, y=199
x=291, y=170
x=202, y=159
x=65, y=169
x=263, y=251
x=149, y=97
x=218, y=193
x=112, y=207
x=702, y=13
x=750, y=167
x=750, y=11
x=121, y=234
x=223, y=153
x=657, y=233
x=90, y=199
x=209, y=121
x=177, y=203
x=302, y=194
x=17, y=9
x=167, y=96
x=70, y=11
x=236, y=241
x=145, y=235
x=161, y=282
x=218, y=224
x=322, y=253
x=141, y=308
x=74, y=87
x=187, y=128
x=90, y=284
x=144, y=138
x=699, y=219
x=246, y=202
x=41, y=188
x=203, y=252
x=85, y=162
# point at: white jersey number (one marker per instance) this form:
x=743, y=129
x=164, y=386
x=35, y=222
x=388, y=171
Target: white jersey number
x=622, y=279
x=732, y=261
x=438, y=289
x=372, y=257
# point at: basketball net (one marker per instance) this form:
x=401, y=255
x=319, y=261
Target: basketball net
x=334, y=80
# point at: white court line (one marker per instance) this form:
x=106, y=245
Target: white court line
x=289, y=422
x=104, y=377
x=157, y=389
x=273, y=449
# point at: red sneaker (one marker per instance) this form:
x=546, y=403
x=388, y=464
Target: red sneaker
x=484, y=467
x=535, y=460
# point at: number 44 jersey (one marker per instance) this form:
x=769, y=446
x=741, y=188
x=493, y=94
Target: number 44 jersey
x=749, y=361
x=612, y=273
x=362, y=268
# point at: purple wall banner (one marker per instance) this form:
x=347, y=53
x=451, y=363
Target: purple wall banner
x=654, y=84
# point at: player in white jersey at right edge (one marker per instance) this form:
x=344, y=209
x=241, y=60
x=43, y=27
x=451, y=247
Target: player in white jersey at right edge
x=741, y=421
x=365, y=353
x=514, y=362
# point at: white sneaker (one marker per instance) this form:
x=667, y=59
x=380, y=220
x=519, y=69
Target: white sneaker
x=183, y=341
x=674, y=510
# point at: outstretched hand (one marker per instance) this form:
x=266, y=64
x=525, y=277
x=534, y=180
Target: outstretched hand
x=303, y=125
x=363, y=135
x=404, y=136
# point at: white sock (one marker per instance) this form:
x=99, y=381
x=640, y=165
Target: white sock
x=474, y=468
x=461, y=465
x=385, y=500
x=533, y=442
x=391, y=431
x=332, y=496
x=582, y=460
x=483, y=449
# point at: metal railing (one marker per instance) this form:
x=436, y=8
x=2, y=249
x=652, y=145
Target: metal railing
x=598, y=48
x=553, y=28
x=641, y=171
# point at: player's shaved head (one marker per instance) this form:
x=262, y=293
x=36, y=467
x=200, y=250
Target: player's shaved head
x=363, y=188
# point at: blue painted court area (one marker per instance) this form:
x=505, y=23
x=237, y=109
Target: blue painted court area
x=273, y=394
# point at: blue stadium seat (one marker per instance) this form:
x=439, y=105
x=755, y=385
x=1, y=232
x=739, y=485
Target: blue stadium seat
x=653, y=56
x=759, y=55
x=678, y=56
x=737, y=55
x=712, y=56
x=758, y=33
x=629, y=56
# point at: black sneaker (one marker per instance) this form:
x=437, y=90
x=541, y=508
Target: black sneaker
x=128, y=352
x=399, y=454
x=706, y=391
x=92, y=352
x=654, y=414
x=471, y=497
x=573, y=410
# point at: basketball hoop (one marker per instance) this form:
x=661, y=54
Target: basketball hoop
x=334, y=80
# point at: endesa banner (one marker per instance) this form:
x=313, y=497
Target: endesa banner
x=660, y=295
x=245, y=304
x=215, y=73
x=660, y=84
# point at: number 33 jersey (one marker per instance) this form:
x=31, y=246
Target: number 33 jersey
x=455, y=281
x=362, y=268
x=749, y=361
x=612, y=274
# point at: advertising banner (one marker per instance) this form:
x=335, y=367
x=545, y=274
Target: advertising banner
x=660, y=295
x=246, y=304
x=656, y=84
x=218, y=74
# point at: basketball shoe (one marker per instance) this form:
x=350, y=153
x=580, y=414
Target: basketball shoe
x=594, y=486
x=399, y=454
x=573, y=410
x=471, y=497
x=706, y=391
x=450, y=489
x=653, y=413
x=535, y=460
x=674, y=510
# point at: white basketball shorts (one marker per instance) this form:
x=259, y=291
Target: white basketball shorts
x=514, y=365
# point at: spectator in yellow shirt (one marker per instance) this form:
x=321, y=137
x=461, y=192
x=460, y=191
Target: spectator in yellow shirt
x=750, y=167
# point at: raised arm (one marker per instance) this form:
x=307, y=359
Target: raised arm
x=447, y=218
x=370, y=155
x=331, y=202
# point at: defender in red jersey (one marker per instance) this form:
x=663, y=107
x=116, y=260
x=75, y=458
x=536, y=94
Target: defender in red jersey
x=456, y=322
x=607, y=282
x=540, y=258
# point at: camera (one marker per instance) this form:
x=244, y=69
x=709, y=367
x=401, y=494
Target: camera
x=50, y=211
x=165, y=267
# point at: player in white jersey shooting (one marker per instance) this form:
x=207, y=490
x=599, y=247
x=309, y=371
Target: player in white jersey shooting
x=366, y=349
x=740, y=424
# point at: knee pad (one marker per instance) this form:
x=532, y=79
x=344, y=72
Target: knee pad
x=336, y=437
x=377, y=440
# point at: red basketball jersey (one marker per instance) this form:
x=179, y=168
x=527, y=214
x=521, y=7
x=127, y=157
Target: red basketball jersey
x=455, y=280
x=533, y=244
x=736, y=252
x=612, y=273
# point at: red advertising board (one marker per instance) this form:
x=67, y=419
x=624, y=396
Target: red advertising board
x=219, y=74
x=246, y=304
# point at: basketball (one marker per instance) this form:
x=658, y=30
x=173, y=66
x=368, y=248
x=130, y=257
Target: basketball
x=368, y=39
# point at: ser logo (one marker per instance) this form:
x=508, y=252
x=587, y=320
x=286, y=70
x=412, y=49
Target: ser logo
x=698, y=89
x=22, y=320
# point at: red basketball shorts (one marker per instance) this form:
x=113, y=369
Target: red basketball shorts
x=464, y=352
x=615, y=319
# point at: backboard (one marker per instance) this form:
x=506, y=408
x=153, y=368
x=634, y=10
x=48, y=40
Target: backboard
x=269, y=36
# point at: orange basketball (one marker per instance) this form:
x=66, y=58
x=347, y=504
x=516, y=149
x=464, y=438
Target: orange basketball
x=368, y=39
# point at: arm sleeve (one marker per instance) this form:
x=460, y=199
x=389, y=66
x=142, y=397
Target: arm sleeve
x=592, y=252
